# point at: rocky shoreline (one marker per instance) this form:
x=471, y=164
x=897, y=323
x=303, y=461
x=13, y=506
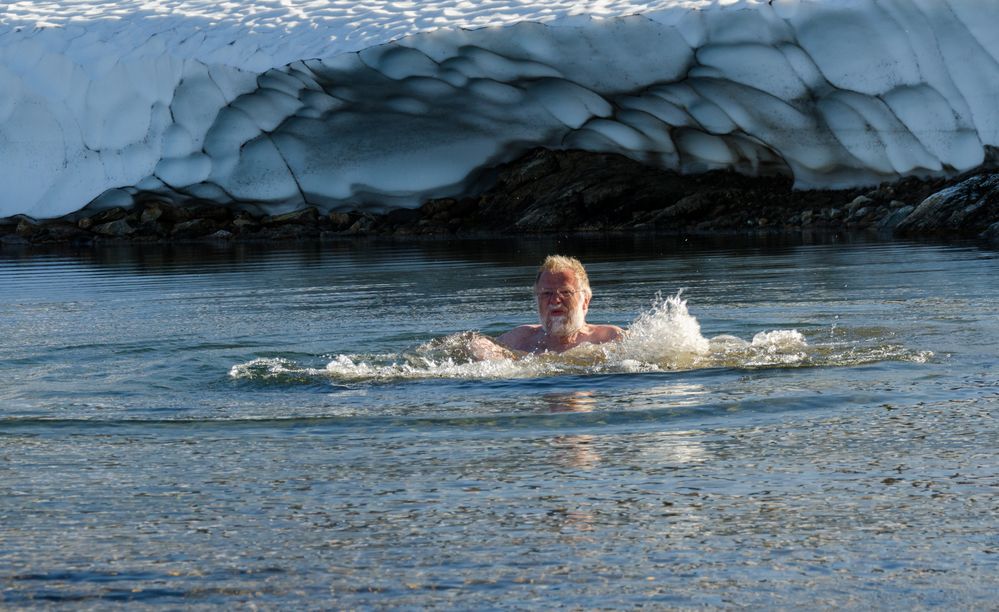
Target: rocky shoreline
x=565, y=191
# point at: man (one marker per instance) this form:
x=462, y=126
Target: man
x=562, y=291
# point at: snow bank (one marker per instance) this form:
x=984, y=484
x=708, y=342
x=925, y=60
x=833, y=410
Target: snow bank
x=385, y=103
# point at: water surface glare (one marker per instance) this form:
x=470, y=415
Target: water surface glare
x=807, y=424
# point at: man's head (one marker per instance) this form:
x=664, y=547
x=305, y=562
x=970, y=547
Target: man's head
x=562, y=289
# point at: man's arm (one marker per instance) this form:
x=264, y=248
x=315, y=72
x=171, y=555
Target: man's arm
x=486, y=349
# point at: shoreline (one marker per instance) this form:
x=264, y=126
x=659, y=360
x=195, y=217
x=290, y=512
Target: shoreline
x=549, y=192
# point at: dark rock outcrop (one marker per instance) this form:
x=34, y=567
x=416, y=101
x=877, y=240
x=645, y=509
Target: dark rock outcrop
x=117, y=228
x=969, y=207
x=194, y=228
x=991, y=234
x=305, y=216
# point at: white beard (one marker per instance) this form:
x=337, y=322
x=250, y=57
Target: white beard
x=563, y=325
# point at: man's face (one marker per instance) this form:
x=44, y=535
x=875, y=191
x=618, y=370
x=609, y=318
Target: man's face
x=561, y=305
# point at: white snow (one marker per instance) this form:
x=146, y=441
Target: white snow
x=383, y=103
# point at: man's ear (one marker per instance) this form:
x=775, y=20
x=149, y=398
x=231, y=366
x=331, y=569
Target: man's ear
x=586, y=302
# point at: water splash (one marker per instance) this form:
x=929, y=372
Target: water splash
x=664, y=337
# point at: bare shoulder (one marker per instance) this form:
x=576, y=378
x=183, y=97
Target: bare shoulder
x=605, y=333
x=519, y=338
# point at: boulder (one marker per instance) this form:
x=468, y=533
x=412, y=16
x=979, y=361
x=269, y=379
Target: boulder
x=14, y=240
x=858, y=202
x=102, y=217
x=991, y=234
x=305, y=216
x=195, y=228
x=244, y=223
x=970, y=206
x=161, y=212
x=895, y=217
x=205, y=210
x=403, y=216
x=115, y=229
x=340, y=221
x=689, y=208
x=290, y=231
x=61, y=231
x=29, y=229
x=363, y=225
x=221, y=235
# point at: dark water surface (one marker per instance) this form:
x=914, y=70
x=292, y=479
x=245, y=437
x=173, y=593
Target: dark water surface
x=202, y=426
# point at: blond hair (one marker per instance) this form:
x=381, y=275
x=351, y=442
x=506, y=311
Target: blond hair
x=561, y=263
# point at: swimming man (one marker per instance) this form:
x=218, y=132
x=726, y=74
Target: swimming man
x=562, y=290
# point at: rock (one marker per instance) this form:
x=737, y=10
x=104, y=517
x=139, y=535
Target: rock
x=340, y=221
x=29, y=228
x=118, y=228
x=102, y=217
x=461, y=209
x=195, y=228
x=970, y=206
x=362, y=226
x=290, y=231
x=305, y=216
x=441, y=208
x=152, y=229
x=689, y=207
x=534, y=166
x=14, y=240
x=61, y=231
x=859, y=213
x=205, y=210
x=892, y=220
x=858, y=202
x=162, y=212
x=896, y=204
x=221, y=235
x=566, y=190
x=403, y=216
x=551, y=214
x=150, y=215
x=244, y=223
x=991, y=234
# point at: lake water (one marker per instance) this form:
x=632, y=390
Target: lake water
x=301, y=427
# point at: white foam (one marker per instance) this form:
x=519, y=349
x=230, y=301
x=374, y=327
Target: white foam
x=665, y=335
x=662, y=338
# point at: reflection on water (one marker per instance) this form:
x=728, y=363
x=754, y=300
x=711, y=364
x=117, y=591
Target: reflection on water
x=274, y=427
x=675, y=394
x=577, y=450
x=574, y=401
